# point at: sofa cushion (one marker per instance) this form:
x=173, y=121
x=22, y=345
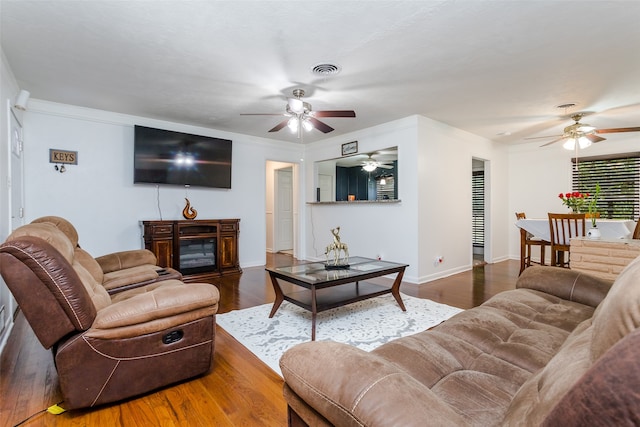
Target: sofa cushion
x=50, y=234
x=98, y=294
x=566, y=284
x=154, y=307
x=476, y=361
x=540, y=393
x=61, y=224
x=123, y=260
x=159, y=299
x=139, y=274
x=619, y=313
x=615, y=317
x=616, y=378
x=85, y=259
x=350, y=387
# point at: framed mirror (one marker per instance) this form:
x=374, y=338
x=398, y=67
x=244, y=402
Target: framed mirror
x=370, y=177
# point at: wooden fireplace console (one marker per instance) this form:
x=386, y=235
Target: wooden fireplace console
x=199, y=249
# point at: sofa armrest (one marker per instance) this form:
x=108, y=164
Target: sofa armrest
x=154, y=302
x=567, y=284
x=126, y=259
x=350, y=387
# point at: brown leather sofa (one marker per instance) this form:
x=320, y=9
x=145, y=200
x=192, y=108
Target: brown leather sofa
x=559, y=350
x=106, y=347
x=117, y=271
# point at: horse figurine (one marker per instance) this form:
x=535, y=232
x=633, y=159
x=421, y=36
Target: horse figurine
x=337, y=248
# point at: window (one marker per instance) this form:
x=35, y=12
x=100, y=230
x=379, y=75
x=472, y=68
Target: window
x=385, y=187
x=477, y=206
x=619, y=179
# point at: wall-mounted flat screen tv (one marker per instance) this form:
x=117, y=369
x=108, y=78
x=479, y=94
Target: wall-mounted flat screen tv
x=176, y=158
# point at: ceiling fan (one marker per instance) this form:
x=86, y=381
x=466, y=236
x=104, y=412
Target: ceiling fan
x=581, y=133
x=370, y=164
x=300, y=115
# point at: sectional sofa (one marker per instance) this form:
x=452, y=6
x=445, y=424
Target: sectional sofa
x=559, y=350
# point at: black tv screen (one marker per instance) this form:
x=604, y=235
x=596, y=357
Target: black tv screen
x=176, y=158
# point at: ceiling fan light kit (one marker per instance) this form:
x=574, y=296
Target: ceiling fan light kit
x=586, y=128
x=583, y=133
x=370, y=166
x=302, y=117
x=570, y=144
x=292, y=124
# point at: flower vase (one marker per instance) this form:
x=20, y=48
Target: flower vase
x=593, y=233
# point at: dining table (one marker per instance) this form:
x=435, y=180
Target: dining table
x=609, y=228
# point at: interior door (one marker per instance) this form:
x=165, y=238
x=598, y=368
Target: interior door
x=284, y=209
x=8, y=304
x=325, y=183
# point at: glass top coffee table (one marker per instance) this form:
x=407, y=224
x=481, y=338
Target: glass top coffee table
x=326, y=289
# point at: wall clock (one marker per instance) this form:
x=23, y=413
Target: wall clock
x=350, y=148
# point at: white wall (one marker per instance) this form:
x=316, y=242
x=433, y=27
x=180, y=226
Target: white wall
x=98, y=195
x=445, y=158
x=538, y=174
x=434, y=185
x=388, y=229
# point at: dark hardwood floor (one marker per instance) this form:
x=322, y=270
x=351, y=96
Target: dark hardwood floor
x=239, y=391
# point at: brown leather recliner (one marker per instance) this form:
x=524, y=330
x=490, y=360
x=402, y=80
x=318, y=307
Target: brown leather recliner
x=106, y=347
x=117, y=271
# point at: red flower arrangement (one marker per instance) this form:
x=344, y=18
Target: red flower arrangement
x=575, y=200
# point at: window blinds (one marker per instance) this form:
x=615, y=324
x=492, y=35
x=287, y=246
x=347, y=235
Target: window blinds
x=477, y=205
x=619, y=179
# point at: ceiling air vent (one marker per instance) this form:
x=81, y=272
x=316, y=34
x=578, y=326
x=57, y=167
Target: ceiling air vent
x=325, y=69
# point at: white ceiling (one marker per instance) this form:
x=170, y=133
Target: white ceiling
x=488, y=67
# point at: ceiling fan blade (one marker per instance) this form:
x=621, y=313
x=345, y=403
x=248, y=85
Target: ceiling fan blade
x=322, y=127
x=335, y=113
x=279, y=126
x=385, y=166
x=553, y=142
x=262, y=114
x=615, y=130
x=595, y=138
x=542, y=137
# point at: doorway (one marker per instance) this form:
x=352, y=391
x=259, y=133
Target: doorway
x=478, y=197
x=281, y=212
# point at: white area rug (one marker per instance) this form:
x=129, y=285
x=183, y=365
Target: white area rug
x=365, y=324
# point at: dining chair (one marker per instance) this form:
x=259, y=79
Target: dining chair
x=527, y=240
x=562, y=228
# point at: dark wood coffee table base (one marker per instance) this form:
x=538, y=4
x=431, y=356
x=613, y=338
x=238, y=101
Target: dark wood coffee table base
x=334, y=293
